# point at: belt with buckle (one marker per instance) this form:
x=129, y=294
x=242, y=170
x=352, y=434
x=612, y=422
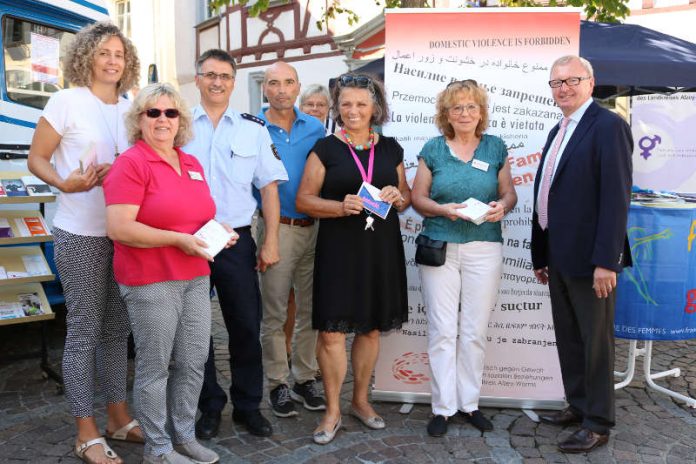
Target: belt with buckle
x=300, y=222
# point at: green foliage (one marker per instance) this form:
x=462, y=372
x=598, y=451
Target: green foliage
x=606, y=11
x=609, y=11
x=259, y=7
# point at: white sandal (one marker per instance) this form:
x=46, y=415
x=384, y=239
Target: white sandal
x=122, y=433
x=80, y=450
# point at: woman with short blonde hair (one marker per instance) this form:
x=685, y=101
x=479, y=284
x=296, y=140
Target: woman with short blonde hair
x=459, y=259
x=157, y=198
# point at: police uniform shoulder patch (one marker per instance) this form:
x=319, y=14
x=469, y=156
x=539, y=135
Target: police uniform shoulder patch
x=251, y=117
x=275, y=151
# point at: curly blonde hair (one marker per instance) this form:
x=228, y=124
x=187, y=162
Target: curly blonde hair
x=147, y=96
x=80, y=57
x=448, y=98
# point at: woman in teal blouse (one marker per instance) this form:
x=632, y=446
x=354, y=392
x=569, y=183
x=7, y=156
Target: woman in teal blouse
x=460, y=164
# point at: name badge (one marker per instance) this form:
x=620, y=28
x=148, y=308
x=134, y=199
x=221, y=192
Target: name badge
x=195, y=175
x=480, y=165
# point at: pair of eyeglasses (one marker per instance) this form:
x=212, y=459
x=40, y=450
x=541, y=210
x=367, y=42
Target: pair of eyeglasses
x=154, y=113
x=212, y=76
x=464, y=82
x=570, y=82
x=355, y=81
x=458, y=110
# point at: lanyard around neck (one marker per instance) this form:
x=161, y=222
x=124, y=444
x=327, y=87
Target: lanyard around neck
x=366, y=177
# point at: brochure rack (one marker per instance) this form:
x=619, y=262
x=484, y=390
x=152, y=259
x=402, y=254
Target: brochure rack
x=24, y=267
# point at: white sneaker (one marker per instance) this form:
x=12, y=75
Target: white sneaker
x=197, y=452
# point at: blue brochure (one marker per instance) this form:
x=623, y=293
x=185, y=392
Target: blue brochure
x=371, y=201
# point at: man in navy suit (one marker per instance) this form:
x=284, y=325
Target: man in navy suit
x=579, y=245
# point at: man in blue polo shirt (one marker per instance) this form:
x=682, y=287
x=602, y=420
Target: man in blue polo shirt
x=294, y=134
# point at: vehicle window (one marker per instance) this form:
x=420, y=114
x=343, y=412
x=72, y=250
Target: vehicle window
x=33, y=55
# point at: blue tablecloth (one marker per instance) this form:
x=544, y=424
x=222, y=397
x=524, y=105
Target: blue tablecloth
x=656, y=298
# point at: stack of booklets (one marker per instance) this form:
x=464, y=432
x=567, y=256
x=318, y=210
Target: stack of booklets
x=474, y=210
x=24, y=186
x=663, y=199
x=28, y=226
x=27, y=304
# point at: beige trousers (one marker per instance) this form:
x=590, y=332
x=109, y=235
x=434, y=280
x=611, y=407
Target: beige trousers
x=295, y=270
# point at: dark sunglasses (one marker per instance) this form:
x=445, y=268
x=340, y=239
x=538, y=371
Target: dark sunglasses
x=356, y=81
x=465, y=82
x=155, y=113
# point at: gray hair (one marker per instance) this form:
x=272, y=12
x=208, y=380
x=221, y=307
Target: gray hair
x=568, y=58
x=315, y=89
x=146, y=97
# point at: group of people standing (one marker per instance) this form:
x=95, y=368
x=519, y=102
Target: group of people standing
x=128, y=259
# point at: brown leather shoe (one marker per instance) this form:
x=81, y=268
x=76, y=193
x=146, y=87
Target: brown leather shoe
x=583, y=441
x=565, y=417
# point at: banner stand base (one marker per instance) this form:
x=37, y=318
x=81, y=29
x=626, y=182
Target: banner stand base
x=533, y=416
x=485, y=401
x=406, y=408
x=628, y=374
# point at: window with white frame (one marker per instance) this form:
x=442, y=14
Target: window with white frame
x=257, y=99
x=205, y=10
x=123, y=16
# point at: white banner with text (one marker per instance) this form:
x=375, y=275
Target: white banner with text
x=509, y=52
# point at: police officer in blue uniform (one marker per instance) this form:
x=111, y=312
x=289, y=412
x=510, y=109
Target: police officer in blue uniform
x=237, y=154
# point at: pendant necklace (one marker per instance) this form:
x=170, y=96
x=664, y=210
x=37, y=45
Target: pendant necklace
x=108, y=126
x=366, y=177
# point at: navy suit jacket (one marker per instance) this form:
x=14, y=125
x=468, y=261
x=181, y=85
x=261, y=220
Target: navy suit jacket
x=589, y=198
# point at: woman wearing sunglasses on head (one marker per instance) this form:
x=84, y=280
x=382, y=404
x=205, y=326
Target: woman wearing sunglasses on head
x=81, y=129
x=359, y=268
x=156, y=198
x=460, y=282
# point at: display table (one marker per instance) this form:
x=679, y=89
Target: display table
x=656, y=298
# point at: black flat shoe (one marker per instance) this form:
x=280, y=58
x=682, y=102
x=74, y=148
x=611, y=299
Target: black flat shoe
x=254, y=422
x=437, y=427
x=478, y=420
x=207, y=425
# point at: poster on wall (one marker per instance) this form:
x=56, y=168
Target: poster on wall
x=664, y=157
x=509, y=52
x=45, y=52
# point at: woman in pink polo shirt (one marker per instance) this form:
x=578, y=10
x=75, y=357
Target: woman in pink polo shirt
x=156, y=198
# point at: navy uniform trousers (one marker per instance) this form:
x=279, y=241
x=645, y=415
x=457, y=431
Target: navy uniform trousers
x=237, y=285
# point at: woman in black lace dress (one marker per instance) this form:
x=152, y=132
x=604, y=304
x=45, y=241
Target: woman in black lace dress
x=359, y=269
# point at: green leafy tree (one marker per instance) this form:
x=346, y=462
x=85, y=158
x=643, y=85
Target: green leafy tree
x=596, y=10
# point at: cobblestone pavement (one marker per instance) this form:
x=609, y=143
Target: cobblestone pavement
x=36, y=427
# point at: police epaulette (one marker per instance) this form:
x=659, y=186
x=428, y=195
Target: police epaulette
x=251, y=117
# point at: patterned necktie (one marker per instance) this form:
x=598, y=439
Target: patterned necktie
x=548, y=175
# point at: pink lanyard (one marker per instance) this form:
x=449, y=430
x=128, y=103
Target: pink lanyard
x=370, y=164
